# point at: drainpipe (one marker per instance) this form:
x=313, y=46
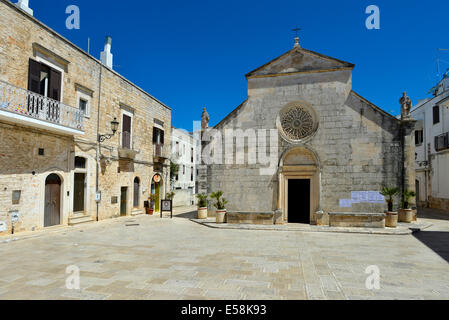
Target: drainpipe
x=402, y=134
x=98, y=143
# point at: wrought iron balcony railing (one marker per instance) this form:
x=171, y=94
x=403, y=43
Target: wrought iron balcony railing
x=36, y=106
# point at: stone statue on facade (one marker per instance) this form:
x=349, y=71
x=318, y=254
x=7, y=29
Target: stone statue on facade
x=205, y=119
x=406, y=106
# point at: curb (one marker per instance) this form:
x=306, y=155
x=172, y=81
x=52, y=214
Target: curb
x=400, y=232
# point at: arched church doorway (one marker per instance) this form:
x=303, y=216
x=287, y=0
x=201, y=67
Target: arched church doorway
x=52, y=214
x=299, y=186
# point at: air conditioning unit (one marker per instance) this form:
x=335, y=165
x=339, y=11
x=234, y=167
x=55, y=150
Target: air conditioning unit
x=442, y=142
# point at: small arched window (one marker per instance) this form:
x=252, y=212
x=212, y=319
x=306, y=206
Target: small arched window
x=136, y=192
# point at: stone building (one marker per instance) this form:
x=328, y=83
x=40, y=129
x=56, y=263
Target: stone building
x=184, y=147
x=304, y=147
x=61, y=161
x=432, y=147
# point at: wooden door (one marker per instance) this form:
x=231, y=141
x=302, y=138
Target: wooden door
x=157, y=198
x=52, y=214
x=78, y=192
x=123, y=201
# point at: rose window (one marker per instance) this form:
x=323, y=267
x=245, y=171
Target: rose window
x=297, y=123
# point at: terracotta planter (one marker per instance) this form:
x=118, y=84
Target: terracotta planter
x=391, y=221
x=202, y=213
x=221, y=216
x=406, y=215
x=149, y=211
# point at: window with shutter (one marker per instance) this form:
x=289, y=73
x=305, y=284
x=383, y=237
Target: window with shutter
x=34, y=76
x=158, y=136
x=418, y=137
x=155, y=135
x=126, y=134
x=436, y=114
x=55, y=85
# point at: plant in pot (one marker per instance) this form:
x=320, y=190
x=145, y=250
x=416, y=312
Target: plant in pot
x=150, y=208
x=202, y=205
x=392, y=216
x=171, y=195
x=406, y=214
x=220, y=204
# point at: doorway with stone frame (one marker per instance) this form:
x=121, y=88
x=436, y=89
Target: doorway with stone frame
x=299, y=186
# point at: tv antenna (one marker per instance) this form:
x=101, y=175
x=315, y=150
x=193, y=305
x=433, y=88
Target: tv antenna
x=438, y=62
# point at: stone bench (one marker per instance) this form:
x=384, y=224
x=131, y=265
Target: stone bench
x=357, y=219
x=260, y=218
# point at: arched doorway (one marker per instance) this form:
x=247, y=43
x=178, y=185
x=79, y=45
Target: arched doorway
x=136, y=197
x=52, y=213
x=299, y=185
x=156, y=191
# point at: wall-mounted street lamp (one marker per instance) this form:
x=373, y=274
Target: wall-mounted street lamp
x=114, y=127
x=102, y=138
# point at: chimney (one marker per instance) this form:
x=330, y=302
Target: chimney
x=23, y=4
x=106, y=55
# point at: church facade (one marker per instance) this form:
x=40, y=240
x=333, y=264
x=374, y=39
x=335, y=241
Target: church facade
x=330, y=151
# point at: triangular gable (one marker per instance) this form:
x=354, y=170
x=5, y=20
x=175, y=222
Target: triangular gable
x=299, y=60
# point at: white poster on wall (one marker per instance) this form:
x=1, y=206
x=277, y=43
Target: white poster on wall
x=3, y=226
x=355, y=197
x=345, y=203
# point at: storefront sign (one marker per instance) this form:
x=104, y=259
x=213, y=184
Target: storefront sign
x=167, y=206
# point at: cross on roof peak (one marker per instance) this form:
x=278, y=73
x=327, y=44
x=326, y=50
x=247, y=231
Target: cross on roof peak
x=296, y=30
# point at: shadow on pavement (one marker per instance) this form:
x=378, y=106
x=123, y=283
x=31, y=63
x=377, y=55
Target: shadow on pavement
x=436, y=240
x=434, y=214
x=186, y=215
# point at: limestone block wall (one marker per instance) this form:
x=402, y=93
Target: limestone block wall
x=183, y=197
x=22, y=169
x=23, y=37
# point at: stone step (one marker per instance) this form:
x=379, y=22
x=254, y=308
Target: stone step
x=137, y=212
x=79, y=220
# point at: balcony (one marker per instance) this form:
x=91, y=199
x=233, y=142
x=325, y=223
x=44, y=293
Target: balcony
x=127, y=150
x=160, y=153
x=24, y=107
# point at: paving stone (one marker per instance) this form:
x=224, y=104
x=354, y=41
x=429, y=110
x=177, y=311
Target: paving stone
x=191, y=263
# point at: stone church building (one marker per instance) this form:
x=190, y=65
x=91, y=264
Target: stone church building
x=334, y=149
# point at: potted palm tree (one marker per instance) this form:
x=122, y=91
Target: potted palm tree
x=202, y=205
x=150, y=208
x=392, y=217
x=406, y=214
x=220, y=204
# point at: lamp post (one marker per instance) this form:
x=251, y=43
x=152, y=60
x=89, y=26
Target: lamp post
x=114, y=127
x=102, y=138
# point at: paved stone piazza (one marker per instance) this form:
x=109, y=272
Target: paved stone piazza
x=146, y=257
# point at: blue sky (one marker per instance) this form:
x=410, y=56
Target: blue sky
x=191, y=54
